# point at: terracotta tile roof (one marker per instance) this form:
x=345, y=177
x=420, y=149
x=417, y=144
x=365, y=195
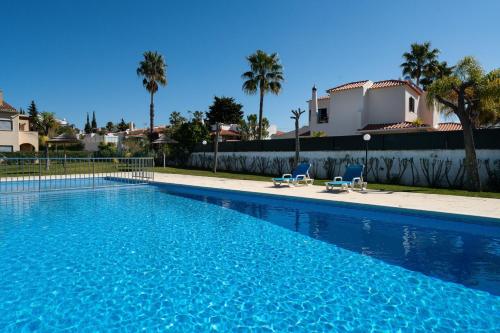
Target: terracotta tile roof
x=395, y=83
x=347, y=86
x=278, y=133
x=442, y=127
x=224, y=132
x=142, y=131
x=391, y=126
x=6, y=107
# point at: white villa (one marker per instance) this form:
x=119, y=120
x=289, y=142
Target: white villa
x=388, y=106
x=15, y=134
x=91, y=141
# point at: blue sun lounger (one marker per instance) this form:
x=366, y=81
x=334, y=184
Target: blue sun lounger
x=299, y=175
x=353, y=176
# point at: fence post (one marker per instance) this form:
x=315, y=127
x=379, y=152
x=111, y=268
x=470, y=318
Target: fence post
x=153, y=169
x=93, y=172
x=39, y=175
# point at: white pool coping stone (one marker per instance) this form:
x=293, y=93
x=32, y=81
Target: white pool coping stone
x=452, y=204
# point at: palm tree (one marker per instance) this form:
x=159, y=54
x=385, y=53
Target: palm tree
x=419, y=60
x=435, y=71
x=265, y=75
x=45, y=123
x=153, y=70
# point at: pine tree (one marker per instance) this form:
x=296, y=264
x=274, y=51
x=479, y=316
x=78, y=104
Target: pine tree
x=21, y=111
x=33, y=116
x=88, y=128
x=94, y=123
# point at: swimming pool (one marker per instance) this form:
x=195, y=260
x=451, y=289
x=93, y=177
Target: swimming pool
x=186, y=259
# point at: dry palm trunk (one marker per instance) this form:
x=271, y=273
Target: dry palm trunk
x=216, y=146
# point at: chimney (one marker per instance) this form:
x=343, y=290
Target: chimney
x=314, y=104
x=1, y=97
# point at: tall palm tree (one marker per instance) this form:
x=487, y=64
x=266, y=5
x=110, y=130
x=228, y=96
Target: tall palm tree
x=419, y=60
x=153, y=70
x=265, y=75
x=434, y=71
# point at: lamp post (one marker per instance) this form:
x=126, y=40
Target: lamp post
x=204, y=143
x=366, y=138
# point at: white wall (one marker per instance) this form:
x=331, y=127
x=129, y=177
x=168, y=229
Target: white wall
x=323, y=103
x=447, y=164
x=91, y=141
x=386, y=105
x=428, y=115
x=411, y=116
x=346, y=112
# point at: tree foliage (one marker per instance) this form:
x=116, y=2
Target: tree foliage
x=110, y=127
x=474, y=97
x=197, y=115
x=265, y=75
x=88, y=128
x=46, y=123
x=122, y=126
x=93, y=125
x=188, y=134
x=422, y=65
x=469, y=92
x=224, y=110
x=176, y=119
x=107, y=149
x=249, y=128
x=318, y=134
x=33, y=115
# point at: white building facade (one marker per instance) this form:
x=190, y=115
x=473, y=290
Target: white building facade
x=91, y=141
x=366, y=106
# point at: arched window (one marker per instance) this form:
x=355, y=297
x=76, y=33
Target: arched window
x=411, y=103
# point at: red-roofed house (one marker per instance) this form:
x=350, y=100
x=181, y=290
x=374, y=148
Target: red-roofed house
x=373, y=107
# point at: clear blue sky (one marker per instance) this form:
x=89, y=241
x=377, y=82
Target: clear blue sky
x=73, y=57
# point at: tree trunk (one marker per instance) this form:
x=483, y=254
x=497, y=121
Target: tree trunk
x=47, y=163
x=297, y=142
x=261, y=106
x=216, y=146
x=151, y=118
x=471, y=165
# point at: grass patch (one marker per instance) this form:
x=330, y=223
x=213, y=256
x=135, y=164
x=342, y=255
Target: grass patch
x=371, y=186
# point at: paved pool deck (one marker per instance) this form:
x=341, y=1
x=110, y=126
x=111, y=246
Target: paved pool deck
x=484, y=207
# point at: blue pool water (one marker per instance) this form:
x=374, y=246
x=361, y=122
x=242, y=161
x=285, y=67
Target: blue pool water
x=32, y=184
x=171, y=258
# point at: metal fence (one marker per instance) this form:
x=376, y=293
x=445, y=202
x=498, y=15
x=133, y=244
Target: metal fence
x=484, y=139
x=45, y=174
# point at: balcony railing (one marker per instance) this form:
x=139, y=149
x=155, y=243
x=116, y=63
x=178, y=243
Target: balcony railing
x=42, y=174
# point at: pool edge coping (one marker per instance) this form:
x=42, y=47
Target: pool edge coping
x=465, y=218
